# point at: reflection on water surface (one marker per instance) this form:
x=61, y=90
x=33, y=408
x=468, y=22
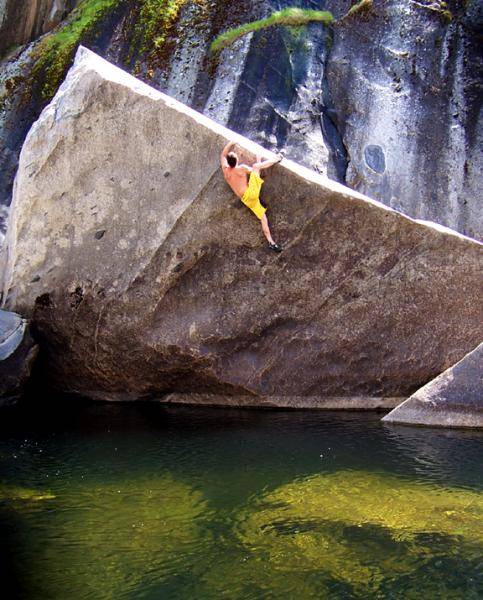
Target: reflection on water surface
x=145, y=501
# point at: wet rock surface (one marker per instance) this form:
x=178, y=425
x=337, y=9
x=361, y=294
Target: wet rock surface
x=18, y=352
x=453, y=399
x=180, y=293
x=387, y=102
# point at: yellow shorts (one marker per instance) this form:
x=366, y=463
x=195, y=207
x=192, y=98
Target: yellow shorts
x=251, y=197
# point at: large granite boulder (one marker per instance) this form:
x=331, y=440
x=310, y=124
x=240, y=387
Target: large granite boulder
x=18, y=352
x=387, y=100
x=453, y=399
x=145, y=275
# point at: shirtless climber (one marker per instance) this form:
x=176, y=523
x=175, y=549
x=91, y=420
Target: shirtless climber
x=236, y=176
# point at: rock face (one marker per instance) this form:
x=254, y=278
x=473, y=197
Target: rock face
x=406, y=79
x=388, y=101
x=24, y=21
x=453, y=399
x=17, y=355
x=146, y=276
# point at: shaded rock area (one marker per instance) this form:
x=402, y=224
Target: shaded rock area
x=453, y=399
x=406, y=79
x=388, y=101
x=180, y=293
x=18, y=352
x=23, y=21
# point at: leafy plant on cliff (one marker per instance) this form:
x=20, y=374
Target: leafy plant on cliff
x=361, y=6
x=54, y=52
x=291, y=17
x=442, y=8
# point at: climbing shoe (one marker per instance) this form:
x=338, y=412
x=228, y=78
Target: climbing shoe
x=275, y=247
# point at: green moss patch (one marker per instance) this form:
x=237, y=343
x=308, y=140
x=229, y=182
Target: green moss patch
x=54, y=52
x=440, y=7
x=156, y=19
x=289, y=17
x=155, y=26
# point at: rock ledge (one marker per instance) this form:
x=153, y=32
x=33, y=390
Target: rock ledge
x=453, y=399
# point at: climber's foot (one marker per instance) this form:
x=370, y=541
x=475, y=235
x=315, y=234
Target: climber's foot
x=275, y=247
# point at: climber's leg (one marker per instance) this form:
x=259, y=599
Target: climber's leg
x=266, y=229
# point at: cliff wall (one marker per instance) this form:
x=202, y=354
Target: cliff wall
x=24, y=21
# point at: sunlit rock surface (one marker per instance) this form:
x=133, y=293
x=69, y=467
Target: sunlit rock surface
x=18, y=352
x=453, y=399
x=146, y=276
x=388, y=101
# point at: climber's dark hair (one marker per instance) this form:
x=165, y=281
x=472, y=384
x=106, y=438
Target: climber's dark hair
x=231, y=159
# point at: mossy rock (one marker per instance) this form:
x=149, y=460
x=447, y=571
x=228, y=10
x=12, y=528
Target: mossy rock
x=54, y=53
x=323, y=523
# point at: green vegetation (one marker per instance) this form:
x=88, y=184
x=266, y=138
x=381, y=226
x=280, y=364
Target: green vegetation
x=441, y=8
x=154, y=24
x=156, y=19
x=361, y=6
x=291, y=17
x=445, y=12
x=54, y=52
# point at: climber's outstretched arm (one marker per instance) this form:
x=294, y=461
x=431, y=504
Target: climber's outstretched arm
x=264, y=164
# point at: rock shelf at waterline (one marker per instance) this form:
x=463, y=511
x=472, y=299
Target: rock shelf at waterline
x=453, y=399
x=145, y=276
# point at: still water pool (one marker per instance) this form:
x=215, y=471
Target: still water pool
x=145, y=501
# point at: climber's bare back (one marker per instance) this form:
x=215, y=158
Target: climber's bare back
x=237, y=178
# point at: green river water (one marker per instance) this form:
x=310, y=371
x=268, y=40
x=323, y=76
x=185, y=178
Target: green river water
x=148, y=501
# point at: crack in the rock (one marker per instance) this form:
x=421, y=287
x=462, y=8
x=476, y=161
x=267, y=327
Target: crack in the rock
x=333, y=139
